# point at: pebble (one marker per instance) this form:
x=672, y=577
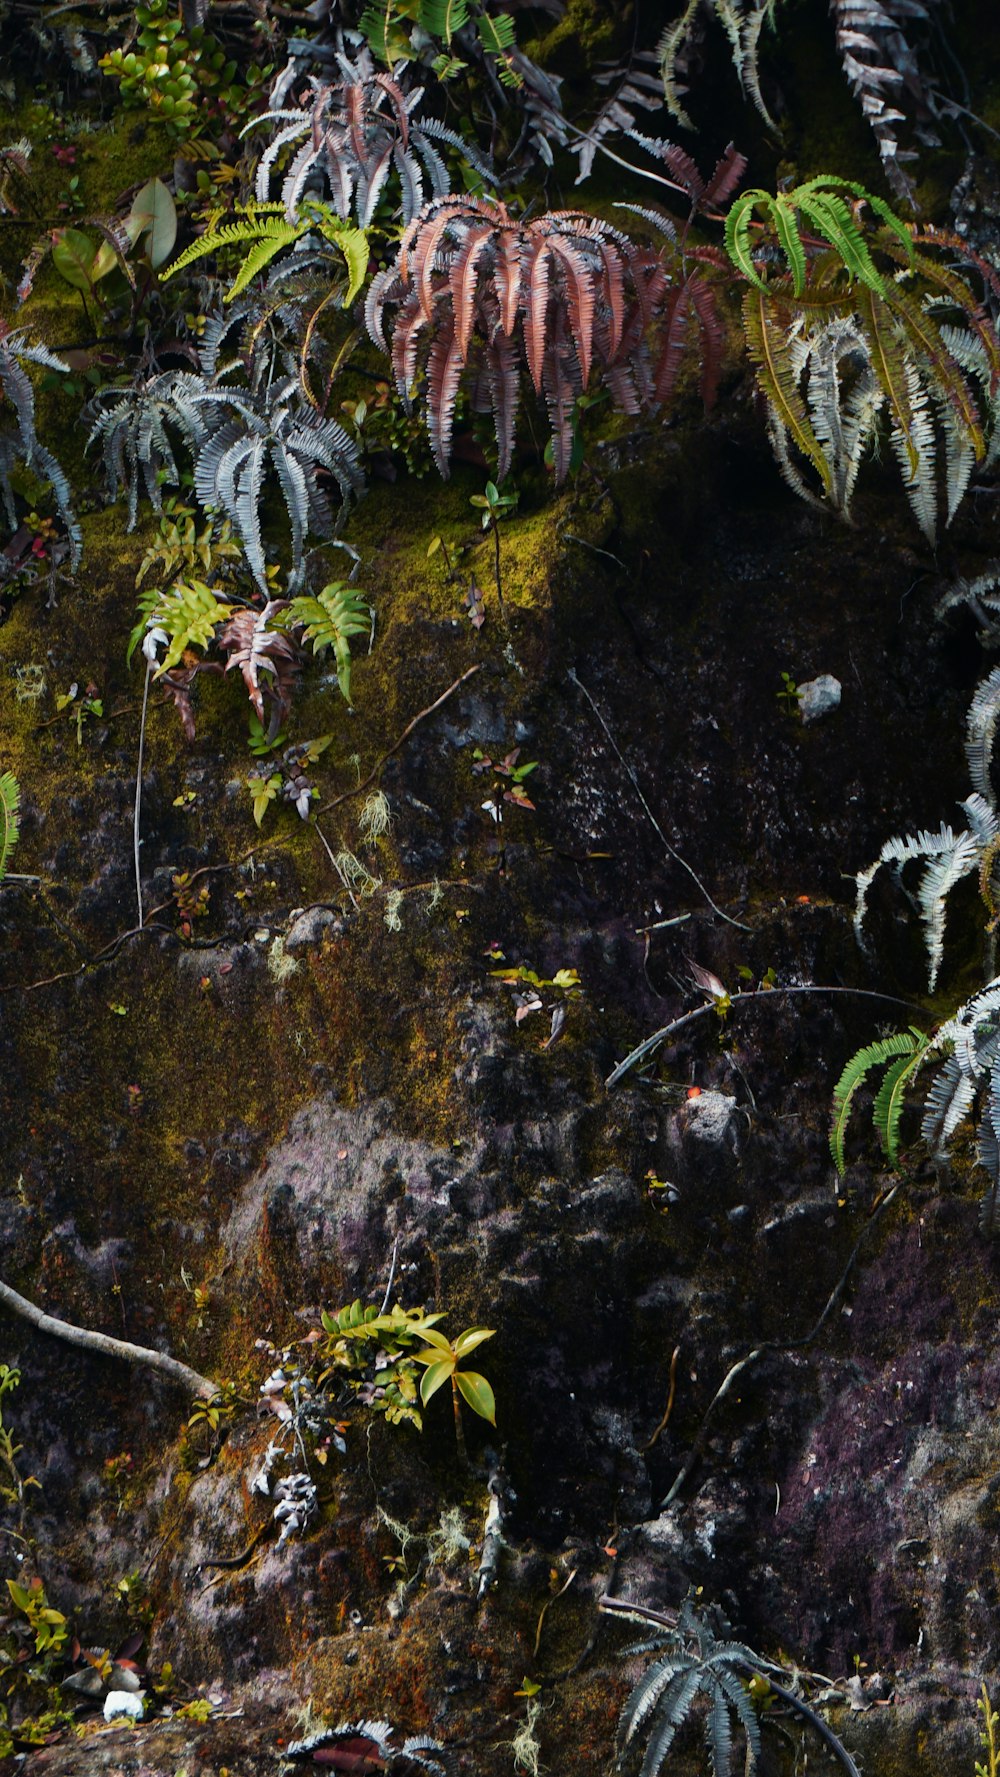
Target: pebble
x=817, y=697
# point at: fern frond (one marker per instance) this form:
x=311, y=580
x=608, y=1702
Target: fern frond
x=188, y=613
x=905, y=1045
x=672, y=1709
x=949, y=1100
x=887, y=1110
x=10, y=818
x=329, y=620
x=948, y=858
x=981, y=724
x=442, y=18
x=768, y=347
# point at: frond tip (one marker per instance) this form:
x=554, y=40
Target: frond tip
x=10, y=817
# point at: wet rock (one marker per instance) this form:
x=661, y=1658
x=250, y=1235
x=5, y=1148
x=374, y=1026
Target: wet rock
x=308, y=928
x=817, y=697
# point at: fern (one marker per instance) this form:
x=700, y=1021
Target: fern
x=268, y=234
x=661, y=1701
x=743, y=22
x=10, y=818
x=357, y=134
x=131, y=424
x=948, y=857
x=824, y=206
x=244, y=432
x=981, y=724
x=906, y=1050
x=877, y=53
x=476, y=291
x=633, y=88
x=882, y=68
x=835, y=359
x=329, y=620
x=368, y=1745
x=15, y=384
x=185, y=615
x=267, y=658
x=695, y=1661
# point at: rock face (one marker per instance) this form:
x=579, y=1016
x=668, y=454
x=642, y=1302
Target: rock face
x=248, y=1144
x=715, y=1364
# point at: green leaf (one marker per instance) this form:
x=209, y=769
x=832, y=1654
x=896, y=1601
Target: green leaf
x=154, y=214
x=477, y=1393
x=566, y=978
x=467, y=1342
x=787, y=230
x=261, y=253
x=20, y=1595
x=73, y=256
x=189, y=615
x=887, y=1110
x=737, y=234
x=439, y=1344
x=263, y=792
x=442, y=18
x=434, y=1377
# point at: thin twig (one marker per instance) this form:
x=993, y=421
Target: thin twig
x=571, y=537
x=778, y=1347
x=650, y=1044
x=545, y=1606
x=392, y=1277
x=199, y=1386
x=668, y=1409
x=421, y=716
x=658, y=830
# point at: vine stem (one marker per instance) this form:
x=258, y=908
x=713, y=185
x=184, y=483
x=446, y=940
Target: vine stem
x=650, y=1044
x=201, y=1387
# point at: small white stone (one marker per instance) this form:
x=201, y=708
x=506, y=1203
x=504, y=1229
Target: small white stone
x=118, y=1703
x=818, y=696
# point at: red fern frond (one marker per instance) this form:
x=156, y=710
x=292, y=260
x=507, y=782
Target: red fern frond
x=729, y=170
x=444, y=369
x=462, y=277
x=536, y=270
x=580, y=296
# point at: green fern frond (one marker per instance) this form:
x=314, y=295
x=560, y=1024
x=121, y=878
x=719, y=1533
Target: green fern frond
x=267, y=232
x=823, y=205
x=442, y=18
x=889, y=1100
x=769, y=347
x=909, y=1045
x=188, y=614
x=383, y=30
x=329, y=621
x=262, y=222
x=10, y=817
x=667, y=52
x=350, y=241
x=497, y=37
